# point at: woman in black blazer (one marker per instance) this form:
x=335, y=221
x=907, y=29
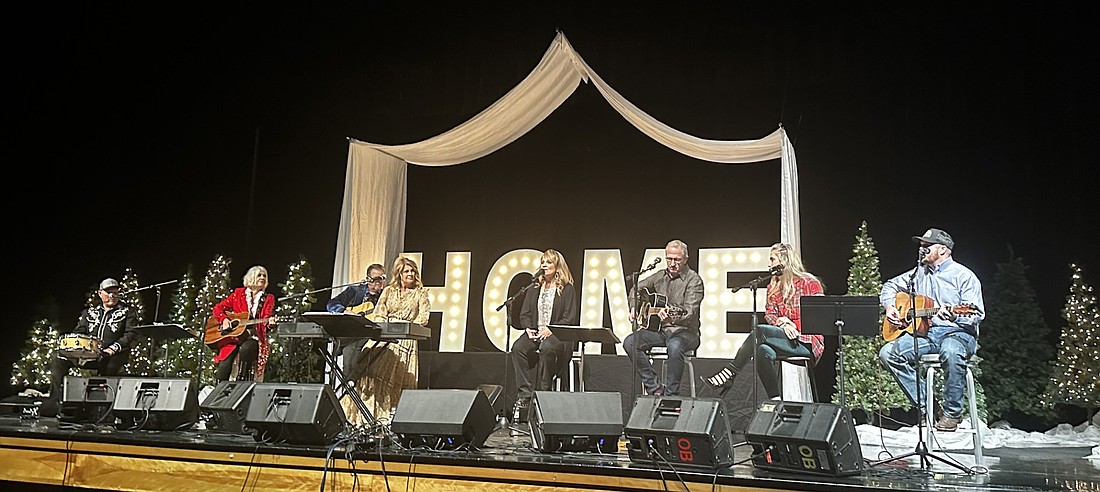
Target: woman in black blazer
x=552, y=301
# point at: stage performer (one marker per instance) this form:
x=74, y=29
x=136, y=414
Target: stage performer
x=111, y=323
x=250, y=348
x=392, y=367
x=952, y=331
x=781, y=332
x=678, y=328
x=361, y=299
x=554, y=302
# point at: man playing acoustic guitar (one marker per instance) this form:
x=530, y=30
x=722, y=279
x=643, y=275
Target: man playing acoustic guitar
x=937, y=306
x=357, y=299
x=679, y=287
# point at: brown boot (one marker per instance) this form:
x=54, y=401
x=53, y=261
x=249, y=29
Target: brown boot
x=947, y=424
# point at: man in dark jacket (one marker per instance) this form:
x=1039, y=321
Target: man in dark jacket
x=110, y=327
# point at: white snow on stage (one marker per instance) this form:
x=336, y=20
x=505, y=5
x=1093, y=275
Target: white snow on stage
x=880, y=444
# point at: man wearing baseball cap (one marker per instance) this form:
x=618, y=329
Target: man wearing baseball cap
x=111, y=323
x=952, y=335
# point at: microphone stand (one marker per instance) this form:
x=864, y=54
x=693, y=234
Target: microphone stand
x=508, y=336
x=921, y=450
x=754, y=284
x=156, y=313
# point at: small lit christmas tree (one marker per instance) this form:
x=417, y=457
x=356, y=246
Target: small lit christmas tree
x=183, y=354
x=295, y=359
x=1076, y=376
x=868, y=386
x=32, y=370
x=214, y=288
x=143, y=352
x=1015, y=351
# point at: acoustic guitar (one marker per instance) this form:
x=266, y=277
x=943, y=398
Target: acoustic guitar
x=238, y=323
x=364, y=309
x=916, y=315
x=652, y=305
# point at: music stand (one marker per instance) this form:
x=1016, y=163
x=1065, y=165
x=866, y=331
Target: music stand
x=344, y=324
x=337, y=325
x=583, y=334
x=165, y=332
x=840, y=315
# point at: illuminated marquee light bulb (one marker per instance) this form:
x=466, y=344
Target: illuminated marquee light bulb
x=501, y=274
x=718, y=298
x=600, y=281
x=452, y=299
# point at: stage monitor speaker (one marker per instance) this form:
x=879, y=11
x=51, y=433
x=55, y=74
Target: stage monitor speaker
x=87, y=399
x=227, y=405
x=678, y=431
x=294, y=413
x=443, y=418
x=813, y=438
x=562, y=421
x=157, y=403
x=495, y=393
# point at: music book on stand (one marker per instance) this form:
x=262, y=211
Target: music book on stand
x=162, y=331
x=567, y=333
x=858, y=315
x=344, y=324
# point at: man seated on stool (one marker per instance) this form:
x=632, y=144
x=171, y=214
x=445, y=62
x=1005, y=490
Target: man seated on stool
x=684, y=289
x=357, y=299
x=953, y=336
x=112, y=322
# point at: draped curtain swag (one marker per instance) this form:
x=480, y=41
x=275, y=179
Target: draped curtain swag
x=374, y=230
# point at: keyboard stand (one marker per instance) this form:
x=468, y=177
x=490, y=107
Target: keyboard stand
x=338, y=325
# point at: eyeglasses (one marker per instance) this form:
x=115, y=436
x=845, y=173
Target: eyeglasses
x=673, y=260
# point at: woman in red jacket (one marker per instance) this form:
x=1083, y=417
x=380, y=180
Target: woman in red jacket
x=781, y=332
x=249, y=348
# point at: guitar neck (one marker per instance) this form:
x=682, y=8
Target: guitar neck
x=256, y=321
x=925, y=313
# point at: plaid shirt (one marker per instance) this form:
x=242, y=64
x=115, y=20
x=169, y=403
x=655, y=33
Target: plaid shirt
x=777, y=308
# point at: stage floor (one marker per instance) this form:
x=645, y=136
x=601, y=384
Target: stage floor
x=41, y=453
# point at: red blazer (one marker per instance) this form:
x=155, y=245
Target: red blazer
x=237, y=302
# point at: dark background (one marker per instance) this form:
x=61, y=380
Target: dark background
x=158, y=139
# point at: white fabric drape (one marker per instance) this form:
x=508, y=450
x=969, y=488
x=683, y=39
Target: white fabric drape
x=372, y=219
x=374, y=231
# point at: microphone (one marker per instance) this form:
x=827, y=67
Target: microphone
x=537, y=275
x=374, y=279
x=924, y=251
x=776, y=271
x=652, y=264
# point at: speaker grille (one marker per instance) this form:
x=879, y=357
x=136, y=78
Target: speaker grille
x=811, y=438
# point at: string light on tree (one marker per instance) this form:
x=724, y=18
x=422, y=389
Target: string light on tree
x=867, y=385
x=1076, y=377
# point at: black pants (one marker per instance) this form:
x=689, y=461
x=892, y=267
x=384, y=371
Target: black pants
x=548, y=358
x=107, y=365
x=248, y=352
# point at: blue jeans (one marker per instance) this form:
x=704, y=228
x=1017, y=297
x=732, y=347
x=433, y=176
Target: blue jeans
x=954, y=348
x=677, y=343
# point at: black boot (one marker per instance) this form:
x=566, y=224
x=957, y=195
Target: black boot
x=246, y=372
x=722, y=380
